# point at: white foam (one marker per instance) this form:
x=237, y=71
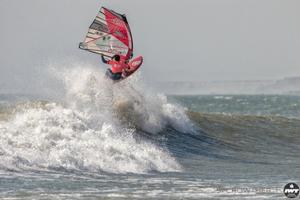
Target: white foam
x=84, y=131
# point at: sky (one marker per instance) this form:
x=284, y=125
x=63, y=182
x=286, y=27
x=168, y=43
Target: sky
x=190, y=40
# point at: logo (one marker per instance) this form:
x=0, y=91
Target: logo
x=120, y=34
x=291, y=190
x=135, y=63
x=117, y=22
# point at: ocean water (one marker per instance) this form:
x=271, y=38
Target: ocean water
x=256, y=105
x=126, y=141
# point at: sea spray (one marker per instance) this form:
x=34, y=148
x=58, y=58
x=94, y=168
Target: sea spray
x=84, y=131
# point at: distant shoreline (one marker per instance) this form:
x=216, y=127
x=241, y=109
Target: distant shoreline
x=285, y=86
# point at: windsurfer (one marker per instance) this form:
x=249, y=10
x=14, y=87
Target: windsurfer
x=118, y=67
x=109, y=35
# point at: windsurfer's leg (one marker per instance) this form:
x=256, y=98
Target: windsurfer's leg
x=117, y=76
x=113, y=76
x=109, y=73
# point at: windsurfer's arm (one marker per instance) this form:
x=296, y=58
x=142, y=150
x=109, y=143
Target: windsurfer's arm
x=103, y=59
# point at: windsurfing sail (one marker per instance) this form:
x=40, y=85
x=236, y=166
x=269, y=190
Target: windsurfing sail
x=108, y=35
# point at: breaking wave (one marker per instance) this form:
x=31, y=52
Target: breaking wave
x=94, y=128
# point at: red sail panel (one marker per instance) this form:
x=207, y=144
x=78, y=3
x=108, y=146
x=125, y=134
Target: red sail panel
x=119, y=28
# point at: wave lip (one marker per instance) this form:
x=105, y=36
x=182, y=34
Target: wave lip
x=57, y=137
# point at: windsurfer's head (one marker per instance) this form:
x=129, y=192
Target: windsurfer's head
x=117, y=58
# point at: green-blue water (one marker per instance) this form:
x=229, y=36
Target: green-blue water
x=255, y=105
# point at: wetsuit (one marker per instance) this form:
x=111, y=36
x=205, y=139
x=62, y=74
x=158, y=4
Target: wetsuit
x=117, y=67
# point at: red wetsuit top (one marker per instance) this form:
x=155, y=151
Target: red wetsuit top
x=117, y=67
